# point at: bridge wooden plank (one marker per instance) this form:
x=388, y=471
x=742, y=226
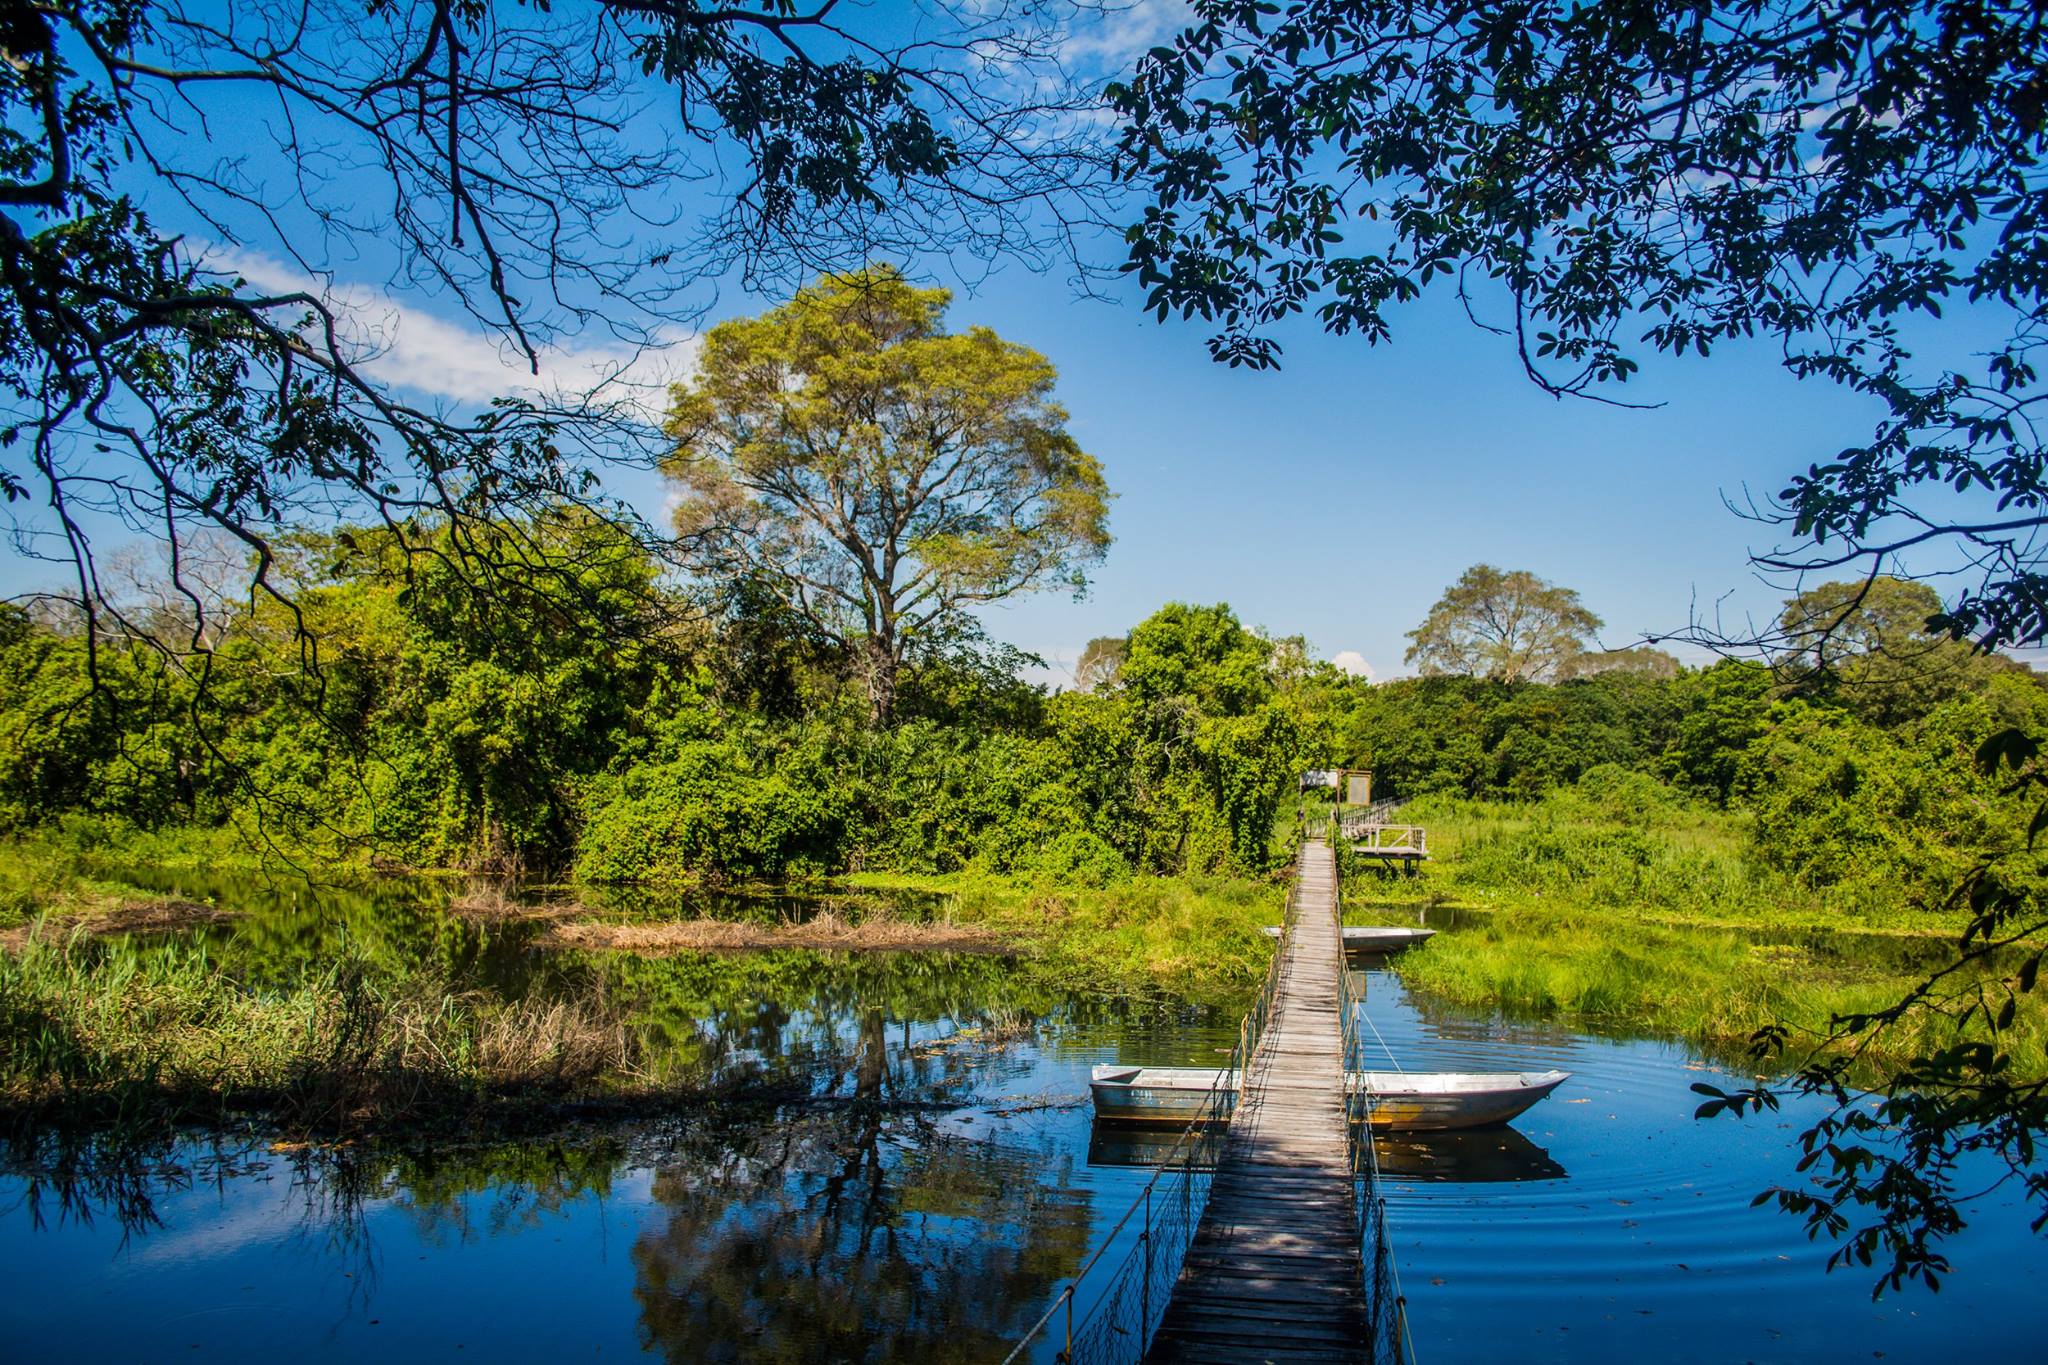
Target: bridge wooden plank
x=1273, y=1271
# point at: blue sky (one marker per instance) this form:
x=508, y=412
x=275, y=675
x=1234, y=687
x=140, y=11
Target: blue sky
x=1334, y=499
x=1337, y=498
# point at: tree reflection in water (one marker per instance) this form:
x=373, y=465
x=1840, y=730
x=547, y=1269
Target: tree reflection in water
x=858, y=1230
x=815, y=1193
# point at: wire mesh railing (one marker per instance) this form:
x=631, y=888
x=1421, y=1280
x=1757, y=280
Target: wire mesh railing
x=1109, y=1310
x=1380, y=1278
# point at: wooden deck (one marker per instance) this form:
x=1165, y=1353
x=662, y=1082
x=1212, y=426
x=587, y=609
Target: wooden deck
x=1273, y=1272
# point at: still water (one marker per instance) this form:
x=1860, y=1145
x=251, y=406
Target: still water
x=920, y=1185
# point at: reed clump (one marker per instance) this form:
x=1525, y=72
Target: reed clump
x=490, y=903
x=168, y=915
x=93, y=1030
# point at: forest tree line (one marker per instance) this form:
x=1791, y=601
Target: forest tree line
x=616, y=727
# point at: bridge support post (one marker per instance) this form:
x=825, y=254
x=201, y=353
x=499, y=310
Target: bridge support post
x=1145, y=1303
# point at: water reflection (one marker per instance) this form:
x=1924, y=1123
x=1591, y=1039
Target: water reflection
x=1129, y=1144
x=895, y=1158
x=1483, y=1155
x=857, y=1234
x=1491, y=1154
x=898, y=1177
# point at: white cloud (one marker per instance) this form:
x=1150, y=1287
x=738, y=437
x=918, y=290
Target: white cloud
x=1352, y=662
x=407, y=347
x=1124, y=33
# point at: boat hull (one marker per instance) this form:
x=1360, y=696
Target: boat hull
x=1404, y=1102
x=1173, y=1096
x=1392, y=1101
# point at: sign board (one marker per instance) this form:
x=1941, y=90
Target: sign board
x=1358, y=789
x=1319, y=777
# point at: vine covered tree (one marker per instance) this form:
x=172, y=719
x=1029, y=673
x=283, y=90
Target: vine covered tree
x=1869, y=645
x=881, y=475
x=1510, y=626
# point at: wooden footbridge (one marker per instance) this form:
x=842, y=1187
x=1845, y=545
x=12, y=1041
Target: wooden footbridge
x=1273, y=1273
x=1262, y=1235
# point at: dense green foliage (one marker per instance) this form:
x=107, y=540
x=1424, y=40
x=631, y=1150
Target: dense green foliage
x=1872, y=794
x=597, y=720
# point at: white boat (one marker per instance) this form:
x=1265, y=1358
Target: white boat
x=1431, y=1101
x=1373, y=938
x=1159, y=1094
x=1395, y=1101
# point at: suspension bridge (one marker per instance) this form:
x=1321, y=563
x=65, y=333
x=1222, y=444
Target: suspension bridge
x=1262, y=1235
x=1273, y=1272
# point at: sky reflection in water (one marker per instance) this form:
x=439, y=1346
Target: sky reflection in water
x=933, y=1187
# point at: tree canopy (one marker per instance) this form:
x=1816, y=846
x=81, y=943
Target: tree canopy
x=1509, y=626
x=1872, y=644
x=177, y=356
x=880, y=474
x=1598, y=182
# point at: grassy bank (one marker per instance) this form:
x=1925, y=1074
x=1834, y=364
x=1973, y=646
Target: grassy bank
x=1641, y=853
x=1651, y=914
x=99, y=1025
x=113, y=1031
x=1711, y=987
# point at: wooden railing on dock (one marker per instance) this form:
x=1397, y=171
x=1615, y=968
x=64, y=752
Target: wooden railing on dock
x=1274, y=1272
x=1108, y=1311
x=1387, y=841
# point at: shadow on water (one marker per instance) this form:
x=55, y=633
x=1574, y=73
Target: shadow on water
x=1491, y=1154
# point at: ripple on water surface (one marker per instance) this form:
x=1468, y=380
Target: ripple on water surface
x=942, y=1185
x=1629, y=1234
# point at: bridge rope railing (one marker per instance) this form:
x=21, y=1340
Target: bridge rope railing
x=1380, y=1278
x=1108, y=1312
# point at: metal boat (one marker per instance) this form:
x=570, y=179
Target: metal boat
x=1373, y=938
x=1173, y=1095
x=1393, y=1101
x=1430, y=1101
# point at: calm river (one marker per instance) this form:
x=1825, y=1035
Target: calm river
x=920, y=1187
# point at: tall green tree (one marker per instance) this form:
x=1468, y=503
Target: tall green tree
x=881, y=475
x=1873, y=645
x=160, y=369
x=1510, y=626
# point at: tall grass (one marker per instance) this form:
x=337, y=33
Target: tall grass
x=1711, y=987
x=1196, y=936
x=95, y=1030
x=1643, y=853
x=1623, y=903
